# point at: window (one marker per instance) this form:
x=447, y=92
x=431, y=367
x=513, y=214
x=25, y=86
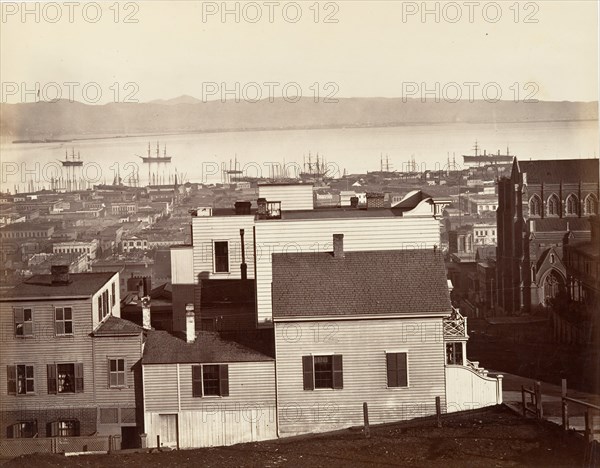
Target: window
x=322, y=372
x=116, y=373
x=20, y=379
x=535, y=206
x=591, y=204
x=64, y=428
x=210, y=380
x=572, y=205
x=454, y=353
x=221, y=262
x=65, y=378
x=23, y=321
x=397, y=369
x=22, y=430
x=63, y=320
x=114, y=296
x=553, y=205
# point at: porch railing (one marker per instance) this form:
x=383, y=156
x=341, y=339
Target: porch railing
x=455, y=326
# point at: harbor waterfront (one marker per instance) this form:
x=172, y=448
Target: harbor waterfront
x=201, y=156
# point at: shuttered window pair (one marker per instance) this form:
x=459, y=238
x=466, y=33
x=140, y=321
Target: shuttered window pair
x=397, y=369
x=64, y=428
x=22, y=430
x=65, y=378
x=20, y=379
x=323, y=372
x=23, y=318
x=210, y=380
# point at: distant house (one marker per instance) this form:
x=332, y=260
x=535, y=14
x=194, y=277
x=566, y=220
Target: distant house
x=202, y=391
x=131, y=243
x=354, y=327
x=69, y=361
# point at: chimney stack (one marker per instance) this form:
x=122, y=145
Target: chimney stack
x=190, y=323
x=338, y=246
x=243, y=266
x=146, y=318
x=60, y=274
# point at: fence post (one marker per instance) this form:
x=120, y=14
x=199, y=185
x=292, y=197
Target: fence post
x=523, y=401
x=589, y=428
x=158, y=441
x=438, y=411
x=143, y=441
x=538, y=400
x=110, y=442
x=366, y=420
x=564, y=405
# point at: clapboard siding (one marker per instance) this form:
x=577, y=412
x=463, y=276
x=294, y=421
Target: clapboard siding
x=182, y=265
x=247, y=415
x=363, y=344
x=364, y=234
x=160, y=388
x=222, y=228
x=47, y=348
x=292, y=197
x=127, y=347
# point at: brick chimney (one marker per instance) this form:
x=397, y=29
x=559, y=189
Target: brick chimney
x=338, y=246
x=190, y=323
x=375, y=200
x=242, y=207
x=60, y=274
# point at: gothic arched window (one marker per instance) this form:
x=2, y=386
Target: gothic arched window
x=572, y=207
x=591, y=204
x=535, y=206
x=553, y=205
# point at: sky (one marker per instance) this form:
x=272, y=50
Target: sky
x=141, y=51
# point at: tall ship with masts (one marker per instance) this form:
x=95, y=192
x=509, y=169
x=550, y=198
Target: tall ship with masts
x=485, y=158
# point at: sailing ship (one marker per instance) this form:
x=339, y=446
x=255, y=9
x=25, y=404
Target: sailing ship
x=485, y=158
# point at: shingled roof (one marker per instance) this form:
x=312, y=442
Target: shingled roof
x=560, y=170
x=117, y=326
x=399, y=283
x=163, y=348
x=79, y=285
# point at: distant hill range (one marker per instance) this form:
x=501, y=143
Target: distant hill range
x=186, y=114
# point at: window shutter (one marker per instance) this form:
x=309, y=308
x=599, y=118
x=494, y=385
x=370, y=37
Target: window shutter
x=108, y=380
x=402, y=370
x=338, y=375
x=307, y=372
x=197, y=381
x=34, y=429
x=10, y=432
x=19, y=318
x=76, y=428
x=392, y=370
x=52, y=429
x=51, y=379
x=11, y=378
x=79, y=377
x=224, y=380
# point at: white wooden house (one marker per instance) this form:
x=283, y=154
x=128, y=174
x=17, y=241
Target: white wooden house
x=355, y=327
x=204, y=391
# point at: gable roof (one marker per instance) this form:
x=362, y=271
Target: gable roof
x=117, y=326
x=398, y=282
x=560, y=224
x=80, y=285
x=163, y=348
x=557, y=170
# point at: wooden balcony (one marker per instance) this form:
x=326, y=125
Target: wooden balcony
x=455, y=326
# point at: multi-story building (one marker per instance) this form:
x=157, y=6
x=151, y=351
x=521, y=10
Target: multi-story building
x=69, y=361
x=87, y=247
x=542, y=206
